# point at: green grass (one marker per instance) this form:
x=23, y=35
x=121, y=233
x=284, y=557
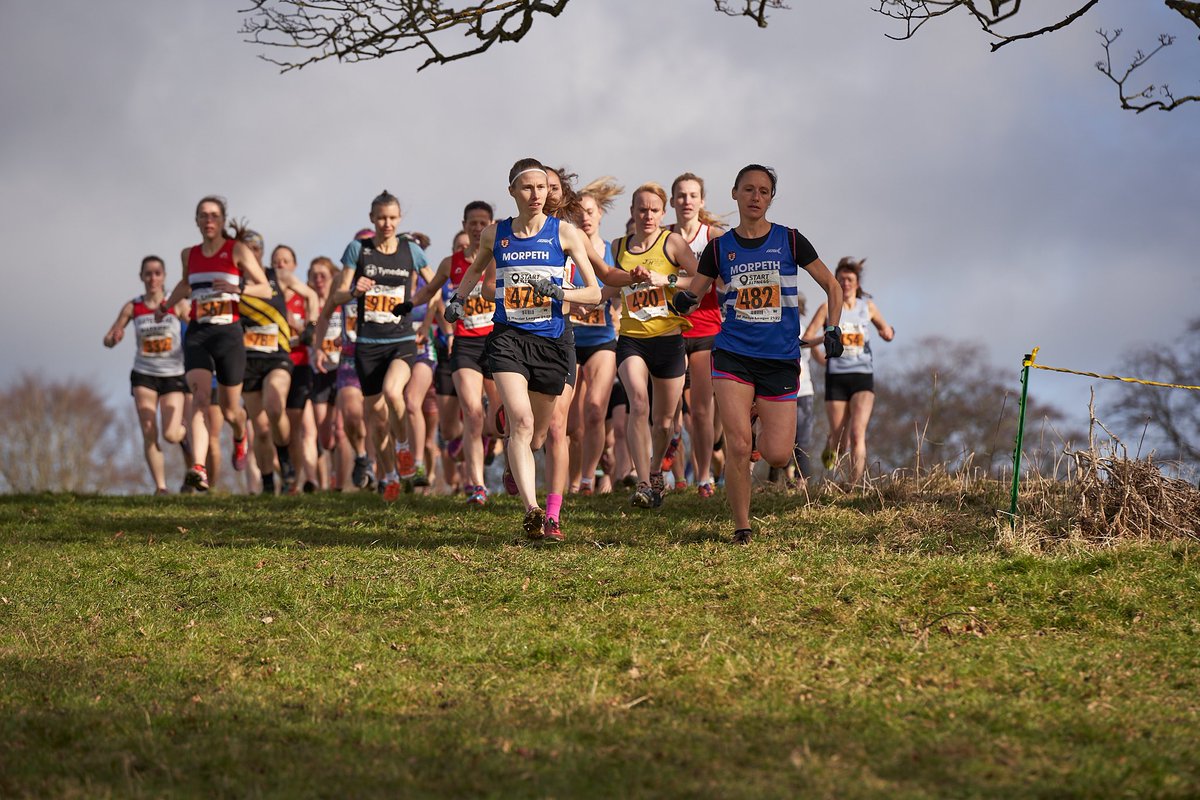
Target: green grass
x=331, y=647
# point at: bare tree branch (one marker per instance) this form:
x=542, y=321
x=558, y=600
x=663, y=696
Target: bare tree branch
x=1159, y=97
x=754, y=9
x=916, y=13
x=364, y=30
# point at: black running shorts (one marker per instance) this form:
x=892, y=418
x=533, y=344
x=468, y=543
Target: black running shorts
x=665, y=356
x=544, y=362
x=584, y=352
x=695, y=343
x=302, y=387
x=841, y=386
x=216, y=348
x=161, y=384
x=257, y=370
x=324, y=388
x=469, y=353
x=371, y=362
x=773, y=379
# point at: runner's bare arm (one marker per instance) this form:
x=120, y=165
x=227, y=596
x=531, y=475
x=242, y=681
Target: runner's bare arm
x=833, y=290
x=886, y=332
x=182, y=290
x=433, y=284
x=117, y=332
x=483, y=257
x=576, y=245
x=252, y=271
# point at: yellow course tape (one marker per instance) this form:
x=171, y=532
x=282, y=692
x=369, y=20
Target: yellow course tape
x=1029, y=362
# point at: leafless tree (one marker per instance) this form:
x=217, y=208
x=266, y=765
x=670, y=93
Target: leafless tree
x=942, y=402
x=1172, y=416
x=999, y=18
x=62, y=436
x=364, y=30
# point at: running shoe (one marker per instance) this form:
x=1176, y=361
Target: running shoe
x=405, y=464
x=680, y=486
x=162, y=490
x=187, y=488
x=646, y=497
x=289, y=477
x=658, y=483
x=478, y=496
x=501, y=421
x=309, y=487
x=534, y=524
x=239, y=454
x=510, y=483
x=741, y=536
x=669, y=456
x=420, y=478
x=197, y=478
x=454, y=448
x=705, y=489
x=828, y=458
x=551, y=532
x=391, y=491
x=268, y=484
x=585, y=488
x=630, y=480
x=362, y=468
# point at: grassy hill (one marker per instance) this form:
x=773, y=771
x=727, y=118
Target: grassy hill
x=330, y=646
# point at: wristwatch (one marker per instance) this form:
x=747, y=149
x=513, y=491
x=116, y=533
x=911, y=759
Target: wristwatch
x=672, y=280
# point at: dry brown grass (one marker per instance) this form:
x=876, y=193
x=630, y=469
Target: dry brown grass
x=1099, y=497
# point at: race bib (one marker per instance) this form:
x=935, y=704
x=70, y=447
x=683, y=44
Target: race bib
x=262, y=338
x=644, y=302
x=757, y=298
x=214, y=308
x=523, y=304
x=157, y=346
x=854, y=339
x=477, y=310
x=589, y=319
x=378, y=302
x=350, y=324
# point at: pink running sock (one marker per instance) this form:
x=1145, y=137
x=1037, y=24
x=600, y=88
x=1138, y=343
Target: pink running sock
x=553, y=506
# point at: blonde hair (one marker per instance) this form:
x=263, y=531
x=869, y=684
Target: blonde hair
x=604, y=191
x=654, y=189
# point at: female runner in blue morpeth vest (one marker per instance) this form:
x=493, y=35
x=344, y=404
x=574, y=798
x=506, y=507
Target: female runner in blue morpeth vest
x=756, y=356
x=527, y=349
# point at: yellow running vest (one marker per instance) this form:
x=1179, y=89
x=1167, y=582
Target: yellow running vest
x=644, y=309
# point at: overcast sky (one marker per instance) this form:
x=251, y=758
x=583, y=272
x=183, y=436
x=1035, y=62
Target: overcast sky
x=1002, y=197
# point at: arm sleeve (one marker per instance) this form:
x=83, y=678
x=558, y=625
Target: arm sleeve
x=352, y=254
x=708, y=261
x=418, y=255
x=802, y=249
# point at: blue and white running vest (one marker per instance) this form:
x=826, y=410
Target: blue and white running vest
x=760, y=312
x=520, y=262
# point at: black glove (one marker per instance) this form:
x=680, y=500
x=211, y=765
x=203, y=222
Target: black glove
x=833, y=341
x=684, y=302
x=547, y=288
x=454, y=309
x=400, y=309
x=306, y=335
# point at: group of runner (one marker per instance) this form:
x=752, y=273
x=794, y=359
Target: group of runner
x=534, y=334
